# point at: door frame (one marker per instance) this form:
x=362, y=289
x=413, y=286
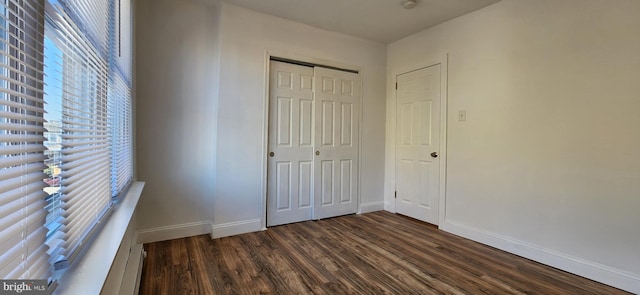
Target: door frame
x=268, y=53
x=392, y=123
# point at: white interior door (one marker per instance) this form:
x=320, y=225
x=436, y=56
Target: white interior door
x=418, y=143
x=337, y=111
x=290, y=160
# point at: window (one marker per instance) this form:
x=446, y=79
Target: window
x=65, y=118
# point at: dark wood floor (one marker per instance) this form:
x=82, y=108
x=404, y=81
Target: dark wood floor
x=374, y=253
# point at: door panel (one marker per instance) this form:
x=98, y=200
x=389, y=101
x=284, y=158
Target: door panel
x=306, y=123
x=283, y=186
x=327, y=183
x=284, y=117
x=346, y=191
x=347, y=124
x=418, y=136
x=305, y=180
x=337, y=129
x=290, y=169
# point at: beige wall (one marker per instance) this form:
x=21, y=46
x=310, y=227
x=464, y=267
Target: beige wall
x=547, y=163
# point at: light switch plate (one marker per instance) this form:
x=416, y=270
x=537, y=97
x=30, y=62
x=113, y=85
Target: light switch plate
x=462, y=115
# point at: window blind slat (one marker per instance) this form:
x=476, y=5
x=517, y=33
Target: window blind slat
x=88, y=138
x=83, y=117
x=8, y=150
x=15, y=205
x=8, y=162
x=21, y=138
x=74, y=192
x=17, y=222
x=27, y=192
x=27, y=86
x=16, y=171
x=20, y=116
x=21, y=183
x=26, y=94
x=70, y=167
x=71, y=178
x=24, y=128
x=86, y=149
x=22, y=106
x=82, y=127
x=71, y=144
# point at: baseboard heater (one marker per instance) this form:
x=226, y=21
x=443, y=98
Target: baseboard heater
x=133, y=271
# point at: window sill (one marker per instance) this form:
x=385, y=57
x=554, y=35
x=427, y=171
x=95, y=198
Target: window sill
x=90, y=273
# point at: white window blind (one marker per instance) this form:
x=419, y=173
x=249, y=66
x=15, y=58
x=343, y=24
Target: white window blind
x=97, y=21
x=23, y=253
x=120, y=97
x=89, y=107
x=121, y=127
x=65, y=118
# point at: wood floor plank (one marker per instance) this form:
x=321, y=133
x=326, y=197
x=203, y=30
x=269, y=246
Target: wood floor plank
x=373, y=253
x=202, y=266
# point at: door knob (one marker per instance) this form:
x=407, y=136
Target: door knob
x=271, y=154
x=434, y=155
x=317, y=153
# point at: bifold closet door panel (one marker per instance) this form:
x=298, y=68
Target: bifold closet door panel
x=290, y=147
x=337, y=117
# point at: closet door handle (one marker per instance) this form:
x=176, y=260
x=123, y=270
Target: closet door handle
x=317, y=153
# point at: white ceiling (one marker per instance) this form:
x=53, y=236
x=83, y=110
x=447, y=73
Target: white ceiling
x=383, y=21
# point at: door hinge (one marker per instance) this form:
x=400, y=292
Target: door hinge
x=395, y=194
x=396, y=85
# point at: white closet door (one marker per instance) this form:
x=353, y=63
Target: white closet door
x=290, y=160
x=337, y=111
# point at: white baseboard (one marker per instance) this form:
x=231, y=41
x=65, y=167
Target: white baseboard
x=388, y=206
x=371, y=207
x=235, y=228
x=171, y=232
x=588, y=269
